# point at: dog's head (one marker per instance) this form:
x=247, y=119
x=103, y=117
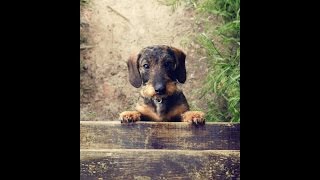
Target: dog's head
x=157, y=69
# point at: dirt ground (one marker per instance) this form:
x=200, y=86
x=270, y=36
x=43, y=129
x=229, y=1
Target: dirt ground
x=115, y=29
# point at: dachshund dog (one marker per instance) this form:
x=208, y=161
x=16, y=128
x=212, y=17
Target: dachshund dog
x=158, y=69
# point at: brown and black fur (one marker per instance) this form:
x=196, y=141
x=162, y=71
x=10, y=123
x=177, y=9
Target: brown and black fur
x=158, y=69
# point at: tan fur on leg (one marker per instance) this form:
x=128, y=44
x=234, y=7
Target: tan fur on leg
x=130, y=116
x=147, y=111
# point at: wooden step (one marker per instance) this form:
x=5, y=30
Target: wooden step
x=161, y=135
x=159, y=150
x=152, y=164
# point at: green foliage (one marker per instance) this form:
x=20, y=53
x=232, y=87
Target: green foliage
x=223, y=80
x=222, y=85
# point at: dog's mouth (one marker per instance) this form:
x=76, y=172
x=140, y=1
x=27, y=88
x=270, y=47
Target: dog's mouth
x=148, y=91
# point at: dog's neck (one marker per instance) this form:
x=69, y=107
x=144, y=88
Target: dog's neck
x=160, y=108
x=161, y=105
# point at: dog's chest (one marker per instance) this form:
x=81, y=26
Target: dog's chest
x=160, y=108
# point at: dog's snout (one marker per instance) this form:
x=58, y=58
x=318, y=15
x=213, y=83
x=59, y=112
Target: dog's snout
x=160, y=88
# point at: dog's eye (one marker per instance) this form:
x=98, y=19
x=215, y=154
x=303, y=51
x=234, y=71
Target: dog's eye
x=168, y=64
x=146, y=66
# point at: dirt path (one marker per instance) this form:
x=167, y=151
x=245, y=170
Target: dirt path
x=118, y=28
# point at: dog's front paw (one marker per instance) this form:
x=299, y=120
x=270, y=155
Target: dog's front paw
x=195, y=117
x=129, y=116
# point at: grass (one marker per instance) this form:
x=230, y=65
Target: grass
x=222, y=85
x=223, y=79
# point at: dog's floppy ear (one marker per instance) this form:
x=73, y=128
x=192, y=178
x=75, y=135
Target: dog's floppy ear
x=181, y=67
x=134, y=74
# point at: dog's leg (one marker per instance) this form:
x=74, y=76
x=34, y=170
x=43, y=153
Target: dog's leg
x=195, y=117
x=130, y=116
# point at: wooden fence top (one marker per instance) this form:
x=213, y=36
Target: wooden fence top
x=159, y=150
x=159, y=135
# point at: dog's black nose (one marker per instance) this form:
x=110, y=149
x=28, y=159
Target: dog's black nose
x=160, y=89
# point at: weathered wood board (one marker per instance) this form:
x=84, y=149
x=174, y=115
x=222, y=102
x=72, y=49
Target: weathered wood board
x=162, y=135
x=150, y=150
x=150, y=164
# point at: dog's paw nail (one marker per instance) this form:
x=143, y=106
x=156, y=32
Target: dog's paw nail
x=198, y=121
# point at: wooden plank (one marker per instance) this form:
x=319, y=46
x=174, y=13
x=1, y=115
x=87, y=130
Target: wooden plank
x=159, y=135
x=148, y=164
